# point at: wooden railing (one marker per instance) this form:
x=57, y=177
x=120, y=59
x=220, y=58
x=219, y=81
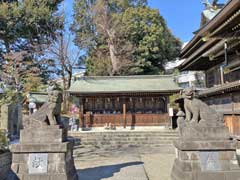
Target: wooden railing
x=99, y=120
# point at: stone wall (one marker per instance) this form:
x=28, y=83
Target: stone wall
x=5, y=164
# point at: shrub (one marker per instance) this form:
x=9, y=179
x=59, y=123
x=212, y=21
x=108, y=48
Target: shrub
x=172, y=101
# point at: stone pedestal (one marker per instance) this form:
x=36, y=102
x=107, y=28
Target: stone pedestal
x=43, y=154
x=205, y=153
x=5, y=164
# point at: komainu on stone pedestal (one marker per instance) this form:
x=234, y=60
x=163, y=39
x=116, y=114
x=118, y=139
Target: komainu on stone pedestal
x=204, y=150
x=48, y=114
x=43, y=152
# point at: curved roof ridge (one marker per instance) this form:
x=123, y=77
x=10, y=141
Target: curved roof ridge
x=128, y=77
x=199, y=33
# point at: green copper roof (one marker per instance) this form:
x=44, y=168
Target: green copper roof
x=38, y=97
x=210, y=13
x=120, y=84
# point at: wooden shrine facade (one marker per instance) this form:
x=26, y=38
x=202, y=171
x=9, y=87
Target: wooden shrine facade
x=124, y=101
x=124, y=109
x=215, y=49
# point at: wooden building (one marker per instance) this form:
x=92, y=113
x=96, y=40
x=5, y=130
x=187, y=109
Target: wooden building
x=215, y=49
x=124, y=100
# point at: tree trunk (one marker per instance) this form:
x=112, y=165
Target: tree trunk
x=69, y=71
x=64, y=91
x=62, y=61
x=114, y=59
x=65, y=101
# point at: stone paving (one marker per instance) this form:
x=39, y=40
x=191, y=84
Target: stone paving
x=158, y=166
x=124, y=164
x=127, y=168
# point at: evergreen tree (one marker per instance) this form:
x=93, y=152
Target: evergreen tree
x=96, y=24
x=26, y=27
x=127, y=35
x=154, y=45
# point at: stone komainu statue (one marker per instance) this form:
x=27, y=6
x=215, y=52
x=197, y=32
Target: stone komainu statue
x=48, y=114
x=197, y=111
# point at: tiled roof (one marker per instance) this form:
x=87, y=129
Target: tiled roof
x=124, y=84
x=220, y=89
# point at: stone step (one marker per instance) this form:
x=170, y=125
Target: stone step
x=122, y=135
x=123, y=138
x=121, y=132
x=81, y=149
x=84, y=152
x=116, y=140
x=127, y=133
x=125, y=142
x=143, y=142
x=126, y=138
x=117, y=145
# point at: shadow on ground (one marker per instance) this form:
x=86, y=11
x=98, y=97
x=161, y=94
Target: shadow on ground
x=101, y=172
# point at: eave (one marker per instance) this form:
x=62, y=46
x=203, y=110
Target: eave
x=221, y=89
x=198, y=53
x=225, y=25
x=226, y=12
x=124, y=93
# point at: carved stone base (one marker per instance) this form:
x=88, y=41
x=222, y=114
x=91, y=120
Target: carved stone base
x=197, y=131
x=47, y=134
x=206, y=160
x=45, y=156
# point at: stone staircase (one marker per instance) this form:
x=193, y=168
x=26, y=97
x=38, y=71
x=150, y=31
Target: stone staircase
x=114, y=140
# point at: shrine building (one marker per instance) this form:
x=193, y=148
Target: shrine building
x=124, y=100
x=215, y=49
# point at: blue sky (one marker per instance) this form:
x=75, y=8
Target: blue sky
x=182, y=16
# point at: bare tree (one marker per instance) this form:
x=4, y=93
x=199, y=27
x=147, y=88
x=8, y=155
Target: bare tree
x=65, y=60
